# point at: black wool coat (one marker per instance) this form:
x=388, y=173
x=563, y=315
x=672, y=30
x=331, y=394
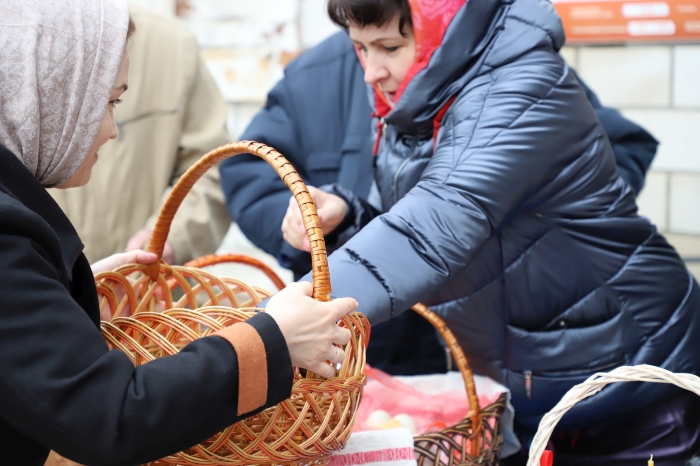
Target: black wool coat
x=61, y=388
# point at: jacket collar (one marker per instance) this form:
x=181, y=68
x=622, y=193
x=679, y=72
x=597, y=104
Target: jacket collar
x=467, y=40
x=18, y=182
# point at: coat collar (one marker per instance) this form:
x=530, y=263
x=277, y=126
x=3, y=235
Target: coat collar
x=18, y=182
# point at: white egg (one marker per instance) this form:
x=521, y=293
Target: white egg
x=378, y=418
x=406, y=421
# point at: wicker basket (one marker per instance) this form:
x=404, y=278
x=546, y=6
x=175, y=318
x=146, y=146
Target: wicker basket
x=593, y=385
x=305, y=429
x=458, y=445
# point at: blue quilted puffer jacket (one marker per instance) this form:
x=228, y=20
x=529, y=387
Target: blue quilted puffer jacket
x=517, y=228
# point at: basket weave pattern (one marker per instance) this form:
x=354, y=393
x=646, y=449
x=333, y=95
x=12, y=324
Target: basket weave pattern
x=305, y=429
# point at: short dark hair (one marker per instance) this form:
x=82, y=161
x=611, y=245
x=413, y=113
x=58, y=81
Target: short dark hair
x=366, y=12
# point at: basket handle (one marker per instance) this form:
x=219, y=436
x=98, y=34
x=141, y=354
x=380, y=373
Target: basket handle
x=464, y=369
x=594, y=384
x=319, y=260
x=214, y=259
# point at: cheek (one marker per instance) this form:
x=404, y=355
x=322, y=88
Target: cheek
x=402, y=64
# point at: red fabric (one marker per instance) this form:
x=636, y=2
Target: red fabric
x=380, y=130
x=547, y=458
x=438, y=120
x=430, y=20
x=429, y=412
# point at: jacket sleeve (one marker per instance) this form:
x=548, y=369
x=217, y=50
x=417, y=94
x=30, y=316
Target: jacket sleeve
x=202, y=221
x=634, y=147
x=502, y=149
x=62, y=387
x=257, y=198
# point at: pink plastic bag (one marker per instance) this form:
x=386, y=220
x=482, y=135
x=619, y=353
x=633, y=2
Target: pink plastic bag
x=430, y=412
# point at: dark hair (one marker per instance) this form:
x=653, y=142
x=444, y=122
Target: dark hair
x=366, y=12
x=132, y=28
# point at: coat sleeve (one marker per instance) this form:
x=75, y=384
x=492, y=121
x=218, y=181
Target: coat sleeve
x=202, y=220
x=634, y=147
x=62, y=387
x=507, y=146
x=256, y=197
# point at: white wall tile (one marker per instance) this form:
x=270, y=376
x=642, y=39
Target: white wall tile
x=679, y=134
x=685, y=203
x=314, y=21
x=239, y=116
x=167, y=7
x=686, y=76
x=653, y=200
x=570, y=54
x=263, y=11
x=243, y=75
x=632, y=76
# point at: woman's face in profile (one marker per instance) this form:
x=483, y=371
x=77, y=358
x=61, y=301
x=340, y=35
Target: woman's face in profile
x=108, y=129
x=386, y=54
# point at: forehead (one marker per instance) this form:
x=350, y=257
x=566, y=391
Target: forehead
x=371, y=32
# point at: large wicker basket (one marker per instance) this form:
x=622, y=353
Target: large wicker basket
x=594, y=384
x=475, y=440
x=305, y=429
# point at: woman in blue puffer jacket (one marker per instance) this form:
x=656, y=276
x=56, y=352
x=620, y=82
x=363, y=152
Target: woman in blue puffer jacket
x=503, y=210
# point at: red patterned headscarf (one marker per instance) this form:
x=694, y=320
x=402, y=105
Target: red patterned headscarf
x=430, y=21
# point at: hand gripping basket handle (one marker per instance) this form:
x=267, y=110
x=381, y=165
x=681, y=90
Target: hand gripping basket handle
x=319, y=260
x=464, y=369
x=593, y=385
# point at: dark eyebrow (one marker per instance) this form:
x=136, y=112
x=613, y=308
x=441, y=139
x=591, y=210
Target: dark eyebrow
x=123, y=87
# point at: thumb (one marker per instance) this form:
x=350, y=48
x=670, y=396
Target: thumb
x=138, y=256
x=304, y=288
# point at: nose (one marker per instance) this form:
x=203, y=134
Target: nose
x=375, y=69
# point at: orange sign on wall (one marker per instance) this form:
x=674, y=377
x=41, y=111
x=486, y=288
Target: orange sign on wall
x=615, y=21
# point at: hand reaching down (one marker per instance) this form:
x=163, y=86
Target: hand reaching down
x=331, y=212
x=309, y=327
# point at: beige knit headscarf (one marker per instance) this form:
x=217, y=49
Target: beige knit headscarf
x=58, y=62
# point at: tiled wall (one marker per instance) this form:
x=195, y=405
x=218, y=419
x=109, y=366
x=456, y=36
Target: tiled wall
x=657, y=86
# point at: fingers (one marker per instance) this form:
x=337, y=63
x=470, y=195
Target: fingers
x=341, y=336
x=304, y=288
x=337, y=355
x=293, y=227
x=323, y=369
x=139, y=240
x=343, y=307
x=139, y=257
x=328, y=369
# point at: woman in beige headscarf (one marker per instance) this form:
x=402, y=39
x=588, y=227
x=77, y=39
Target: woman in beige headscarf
x=63, y=67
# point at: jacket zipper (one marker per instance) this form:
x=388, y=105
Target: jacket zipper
x=381, y=136
x=528, y=374
x=396, y=176
x=528, y=384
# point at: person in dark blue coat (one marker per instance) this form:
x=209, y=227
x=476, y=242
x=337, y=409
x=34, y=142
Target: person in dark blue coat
x=319, y=117
x=503, y=209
